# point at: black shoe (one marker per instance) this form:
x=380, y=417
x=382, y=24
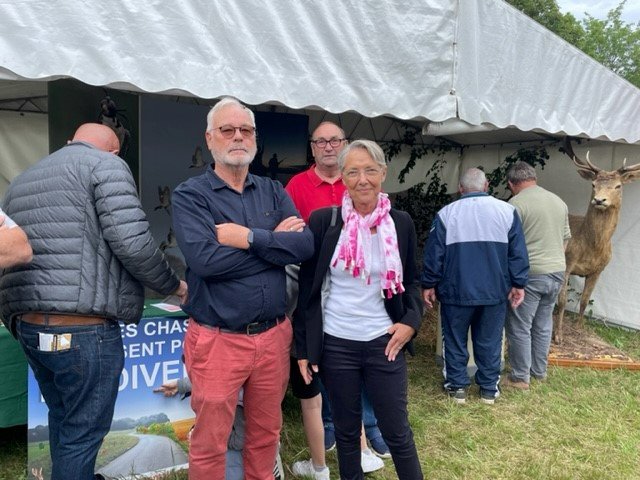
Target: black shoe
x=458, y=395
x=329, y=440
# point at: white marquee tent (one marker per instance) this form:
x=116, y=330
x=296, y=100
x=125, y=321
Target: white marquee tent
x=477, y=72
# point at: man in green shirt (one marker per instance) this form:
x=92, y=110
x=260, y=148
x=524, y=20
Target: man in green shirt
x=545, y=221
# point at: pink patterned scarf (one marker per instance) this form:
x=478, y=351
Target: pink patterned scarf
x=354, y=244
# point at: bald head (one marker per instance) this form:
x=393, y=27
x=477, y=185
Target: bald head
x=100, y=136
x=322, y=126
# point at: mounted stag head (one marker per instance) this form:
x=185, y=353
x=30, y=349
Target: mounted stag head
x=589, y=250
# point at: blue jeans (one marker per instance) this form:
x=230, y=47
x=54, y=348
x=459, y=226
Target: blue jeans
x=486, y=323
x=529, y=327
x=345, y=366
x=80, y=386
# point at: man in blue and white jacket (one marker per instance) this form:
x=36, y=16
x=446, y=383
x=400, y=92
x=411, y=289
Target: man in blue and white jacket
x=474, y=261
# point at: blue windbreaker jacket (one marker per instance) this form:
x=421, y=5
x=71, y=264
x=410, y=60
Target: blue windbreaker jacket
x=476, y=252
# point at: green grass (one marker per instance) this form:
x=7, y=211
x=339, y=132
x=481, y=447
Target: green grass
x=13, y=461
x=40, y=459
x=579, y=424
x=626, y=340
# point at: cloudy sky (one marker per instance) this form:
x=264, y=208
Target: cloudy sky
x=600, y=8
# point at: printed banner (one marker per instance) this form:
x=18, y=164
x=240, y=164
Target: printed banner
x=149, y=431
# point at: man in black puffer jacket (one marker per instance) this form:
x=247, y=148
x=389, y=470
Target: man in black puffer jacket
x=92, y=254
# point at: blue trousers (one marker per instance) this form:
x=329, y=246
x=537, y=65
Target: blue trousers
x=80, y=386
x=345, y=366
x=486, y=323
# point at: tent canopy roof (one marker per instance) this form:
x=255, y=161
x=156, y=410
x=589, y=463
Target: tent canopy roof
x=484, y=63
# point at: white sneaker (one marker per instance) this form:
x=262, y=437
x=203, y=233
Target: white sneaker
x=278, y=471
x=370, y=463
x=306, y=468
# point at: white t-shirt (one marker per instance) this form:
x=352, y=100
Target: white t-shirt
x=353, y=309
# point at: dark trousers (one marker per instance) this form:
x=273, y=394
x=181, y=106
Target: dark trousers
x=345, y=366
x=486, y=323
x=369, y=419
x=80, y=386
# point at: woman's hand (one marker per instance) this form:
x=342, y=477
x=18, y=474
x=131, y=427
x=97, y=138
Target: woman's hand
x=400, y=335
x=307, y=370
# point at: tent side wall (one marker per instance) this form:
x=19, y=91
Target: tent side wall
x=24, y=139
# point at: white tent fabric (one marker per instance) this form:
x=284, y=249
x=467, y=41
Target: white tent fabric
x=511, y=71
x=412, y=59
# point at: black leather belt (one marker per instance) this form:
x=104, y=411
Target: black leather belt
x=254, y=328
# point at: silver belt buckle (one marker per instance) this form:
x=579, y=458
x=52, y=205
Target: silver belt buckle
x=249, y=326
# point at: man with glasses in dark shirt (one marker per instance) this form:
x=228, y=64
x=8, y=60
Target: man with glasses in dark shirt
x=237, y=232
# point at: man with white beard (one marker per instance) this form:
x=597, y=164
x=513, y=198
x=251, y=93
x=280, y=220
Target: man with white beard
x=237, y=231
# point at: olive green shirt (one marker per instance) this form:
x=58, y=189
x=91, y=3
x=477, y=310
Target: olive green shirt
x=545, y=221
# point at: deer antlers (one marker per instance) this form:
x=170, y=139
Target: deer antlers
x=590, y=167
x=586, y=166
x=631, y=168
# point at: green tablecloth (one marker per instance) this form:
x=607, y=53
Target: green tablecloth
x=150, y=311
x=13, y=377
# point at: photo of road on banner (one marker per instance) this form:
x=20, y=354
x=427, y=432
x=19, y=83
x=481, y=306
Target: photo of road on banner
x=149, y=431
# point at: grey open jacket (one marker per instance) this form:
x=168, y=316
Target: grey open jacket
x=92, y=249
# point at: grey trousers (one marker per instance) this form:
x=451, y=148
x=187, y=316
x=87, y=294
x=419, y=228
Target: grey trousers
x=529, y=327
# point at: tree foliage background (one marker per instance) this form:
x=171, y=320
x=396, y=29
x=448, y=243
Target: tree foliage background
x=611, y=41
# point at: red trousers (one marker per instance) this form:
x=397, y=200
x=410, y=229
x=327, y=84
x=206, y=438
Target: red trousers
x=218, y=364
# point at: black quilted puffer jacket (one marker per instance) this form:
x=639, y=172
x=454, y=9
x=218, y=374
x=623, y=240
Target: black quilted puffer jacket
x=92, y=249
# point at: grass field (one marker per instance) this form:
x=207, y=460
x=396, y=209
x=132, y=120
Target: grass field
x=580, y=424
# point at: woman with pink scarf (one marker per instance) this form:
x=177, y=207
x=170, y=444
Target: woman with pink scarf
x=359, y=308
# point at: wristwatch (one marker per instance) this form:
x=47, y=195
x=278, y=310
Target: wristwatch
x=250, y=238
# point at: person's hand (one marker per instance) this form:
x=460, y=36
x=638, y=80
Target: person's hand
x=307, y=370
x=182, y=292
x=168, y=389
x=516, y=297
x=400, y=335
x=429, y=296
x=2, y=225
x=290, y=224
x=232, y=235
